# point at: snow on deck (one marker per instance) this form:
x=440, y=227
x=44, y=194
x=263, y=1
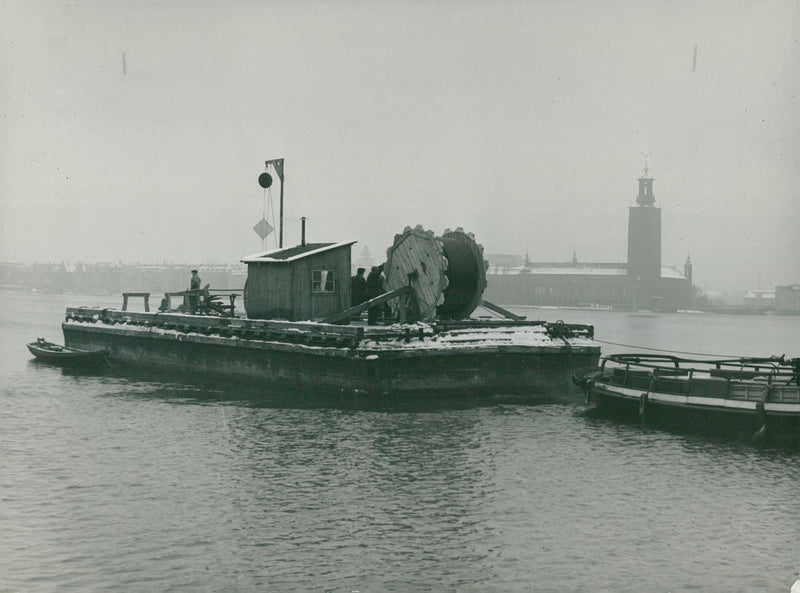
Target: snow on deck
x=386, y=339
x=521, y=336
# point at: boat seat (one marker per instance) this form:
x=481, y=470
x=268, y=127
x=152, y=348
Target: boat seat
x=670, y=372
x=636, y=379
x=734, y=374
x=710, y=388
x=676, y=386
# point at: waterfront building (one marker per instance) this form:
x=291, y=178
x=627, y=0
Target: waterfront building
x=640, y=283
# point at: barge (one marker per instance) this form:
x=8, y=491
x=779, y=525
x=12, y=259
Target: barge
x=302, y=330
x=752, y=397
x=485, y=357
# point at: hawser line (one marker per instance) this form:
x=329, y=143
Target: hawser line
x=667, y=350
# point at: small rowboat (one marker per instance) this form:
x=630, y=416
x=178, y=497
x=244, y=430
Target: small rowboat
x=754, y=396
x=54, y=353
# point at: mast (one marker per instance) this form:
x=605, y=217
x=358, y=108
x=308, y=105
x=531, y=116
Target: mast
x=278, y=164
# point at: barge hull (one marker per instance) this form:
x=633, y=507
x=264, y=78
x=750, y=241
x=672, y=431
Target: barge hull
x=487, y=370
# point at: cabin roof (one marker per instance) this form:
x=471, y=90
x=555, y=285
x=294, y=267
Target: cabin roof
x=289, y=254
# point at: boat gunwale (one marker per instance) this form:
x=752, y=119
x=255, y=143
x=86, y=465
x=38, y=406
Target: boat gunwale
x=748, y=368
x=633, y=396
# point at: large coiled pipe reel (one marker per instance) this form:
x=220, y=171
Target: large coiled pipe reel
x=447, y=273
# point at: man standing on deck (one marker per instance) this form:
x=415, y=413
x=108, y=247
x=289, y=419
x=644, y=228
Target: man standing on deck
x=194, y=292
x=358, y=288
x=374, y=288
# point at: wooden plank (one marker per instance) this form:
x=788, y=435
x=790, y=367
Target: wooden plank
x=485, y=323
x=500, y=311
x=378, y=300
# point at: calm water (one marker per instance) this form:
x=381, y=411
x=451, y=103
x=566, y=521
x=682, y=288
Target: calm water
x=131, y=482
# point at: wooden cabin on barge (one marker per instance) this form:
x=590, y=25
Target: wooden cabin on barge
x=308, y=281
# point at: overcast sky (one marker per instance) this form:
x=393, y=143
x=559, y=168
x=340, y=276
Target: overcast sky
x=522, y=122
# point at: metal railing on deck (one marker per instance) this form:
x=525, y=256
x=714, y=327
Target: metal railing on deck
x=202, y=300
x=711, y=378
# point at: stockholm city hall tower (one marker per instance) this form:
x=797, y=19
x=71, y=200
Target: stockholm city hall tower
x=640, y=283
x=644, y=245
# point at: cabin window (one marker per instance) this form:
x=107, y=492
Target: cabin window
x=323, y=281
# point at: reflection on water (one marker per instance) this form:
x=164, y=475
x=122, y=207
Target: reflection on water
x=137, y=481
x=706, y=432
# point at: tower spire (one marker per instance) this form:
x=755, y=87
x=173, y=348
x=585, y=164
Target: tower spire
x=646, y=196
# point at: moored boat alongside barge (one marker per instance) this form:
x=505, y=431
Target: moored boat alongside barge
x=62, y=355
x=756, y=397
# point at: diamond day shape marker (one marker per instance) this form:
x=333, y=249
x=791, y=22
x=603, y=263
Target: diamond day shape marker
x=263, y=228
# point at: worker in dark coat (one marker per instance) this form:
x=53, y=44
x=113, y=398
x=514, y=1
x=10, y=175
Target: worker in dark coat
x=194, y=294
x=374, y=288
x=358, y=288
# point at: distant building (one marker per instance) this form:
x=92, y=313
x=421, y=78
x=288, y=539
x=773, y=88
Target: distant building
x=503, y=260
x=760, y=300
x=787, y=299
x=364, y=260
x=641, y=283
x=108, y=278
